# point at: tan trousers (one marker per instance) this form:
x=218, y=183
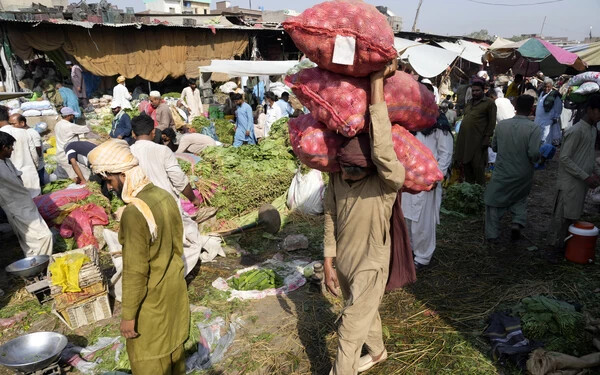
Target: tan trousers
x=173, y=364
x=360, y=323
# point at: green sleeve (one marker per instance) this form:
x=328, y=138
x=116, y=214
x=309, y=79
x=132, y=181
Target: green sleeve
x=134, y=235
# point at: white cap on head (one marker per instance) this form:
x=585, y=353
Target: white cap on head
x=154, y=94
x=68, y=62
x=548, y=80
x=114, y=104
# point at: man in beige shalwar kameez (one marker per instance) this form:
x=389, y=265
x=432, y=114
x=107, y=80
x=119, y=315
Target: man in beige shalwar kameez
x=358, y=208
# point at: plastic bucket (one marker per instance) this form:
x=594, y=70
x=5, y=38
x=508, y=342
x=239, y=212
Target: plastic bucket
x=581, y=243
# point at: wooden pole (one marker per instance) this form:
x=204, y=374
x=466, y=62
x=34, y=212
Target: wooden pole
x=414, y=27
x=542, y=30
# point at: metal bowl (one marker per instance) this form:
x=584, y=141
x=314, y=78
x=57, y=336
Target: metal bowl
x=32, y=352
x=28, y=267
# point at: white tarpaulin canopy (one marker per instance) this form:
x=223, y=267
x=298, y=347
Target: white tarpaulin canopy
x=428, y=61
x=469, y=51
x=240, y=68
x=401, y=44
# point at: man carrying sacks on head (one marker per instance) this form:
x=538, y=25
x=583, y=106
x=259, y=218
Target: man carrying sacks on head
x=358, y=209
x=156, y=314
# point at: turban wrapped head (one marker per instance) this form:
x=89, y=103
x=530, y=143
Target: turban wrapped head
x=114, y=157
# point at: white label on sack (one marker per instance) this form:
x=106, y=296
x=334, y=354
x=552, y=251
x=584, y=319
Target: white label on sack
x=343, y=52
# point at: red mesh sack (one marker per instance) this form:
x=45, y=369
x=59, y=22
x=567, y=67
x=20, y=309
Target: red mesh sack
x=410, y=104
x=315, y=30
x=421, y=167
x=314, y=144
x=49, y=204
x=341, y=102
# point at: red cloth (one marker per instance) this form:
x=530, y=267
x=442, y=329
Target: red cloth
x=356, y=152
x=80, y=224
x=49, y=204
x=402, y=266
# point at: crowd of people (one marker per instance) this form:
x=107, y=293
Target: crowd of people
x=366, y=215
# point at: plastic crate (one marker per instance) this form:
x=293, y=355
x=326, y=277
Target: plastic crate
x=85, y=312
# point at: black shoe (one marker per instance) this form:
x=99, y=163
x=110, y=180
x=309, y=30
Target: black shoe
x=515, y=232
x=419, y=266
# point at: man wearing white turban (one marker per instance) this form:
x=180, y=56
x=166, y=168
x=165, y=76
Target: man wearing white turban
x=155, y=307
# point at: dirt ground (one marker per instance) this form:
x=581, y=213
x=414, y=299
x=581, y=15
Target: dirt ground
x=432, y=327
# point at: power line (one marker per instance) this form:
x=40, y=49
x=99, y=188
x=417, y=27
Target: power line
x=515, y=5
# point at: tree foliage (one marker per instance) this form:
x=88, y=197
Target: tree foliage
x=482, y=34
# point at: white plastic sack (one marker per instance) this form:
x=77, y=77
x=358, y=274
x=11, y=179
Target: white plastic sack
x=32, y=113
x=49, y=112
x=13, y=104
x=228, y=87
x=306, y=192
x=292, y=273
x=587, y=88
x=279, y=88
x=37, y=105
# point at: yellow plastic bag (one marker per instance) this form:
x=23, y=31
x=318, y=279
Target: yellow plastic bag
x=65, y=271
x=52, y=141
x=51, y=151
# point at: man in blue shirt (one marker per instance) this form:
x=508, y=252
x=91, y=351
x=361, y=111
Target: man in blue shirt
x=121, y=123
x=285, y=106
x=69, y=99
x=244, y=123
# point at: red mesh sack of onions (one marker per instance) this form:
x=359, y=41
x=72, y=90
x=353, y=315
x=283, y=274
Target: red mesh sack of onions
x=341, y=102
x=421, y=167
x=315, y=30
x=314, y=144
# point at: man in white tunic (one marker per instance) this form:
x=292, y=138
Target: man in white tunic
x=34, y=236
x=190, y=97
x=24, y=157
x=422, y=210
x=273, y=112
x=66, y=132
x=20, y=121
x=121, y=95
x=160, y=165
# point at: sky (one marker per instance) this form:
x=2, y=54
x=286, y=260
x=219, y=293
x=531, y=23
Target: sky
x=571, y=18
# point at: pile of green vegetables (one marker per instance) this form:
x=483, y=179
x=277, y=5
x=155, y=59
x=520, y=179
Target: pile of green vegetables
x=105, y=125
x=251, y=175
x=224, y=128
x=464, y=198
x=57, y=185
x=258, y=279
x=555, y=323
x=173, y=94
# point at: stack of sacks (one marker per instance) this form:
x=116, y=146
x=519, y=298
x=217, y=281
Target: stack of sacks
x=38, y=108
x=338, y=96
x=581, y=86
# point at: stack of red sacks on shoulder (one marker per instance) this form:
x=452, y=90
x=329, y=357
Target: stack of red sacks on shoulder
x=338, y=96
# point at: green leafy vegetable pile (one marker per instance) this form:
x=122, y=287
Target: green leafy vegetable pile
x=464, y=198
x=258, y=279
x=56, y=186
x=185, y=166
x=556, y=323
x=251, y=175
x=104, y=127
x=175, y=95
x=224, y=128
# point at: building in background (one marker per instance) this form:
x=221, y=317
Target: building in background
x=394, y=20
x=178, y=6
x=11, y=5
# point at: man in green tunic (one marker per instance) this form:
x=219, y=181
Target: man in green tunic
x=517, y=142
x=577, y=172
x=473, y=139
x=155, y=307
